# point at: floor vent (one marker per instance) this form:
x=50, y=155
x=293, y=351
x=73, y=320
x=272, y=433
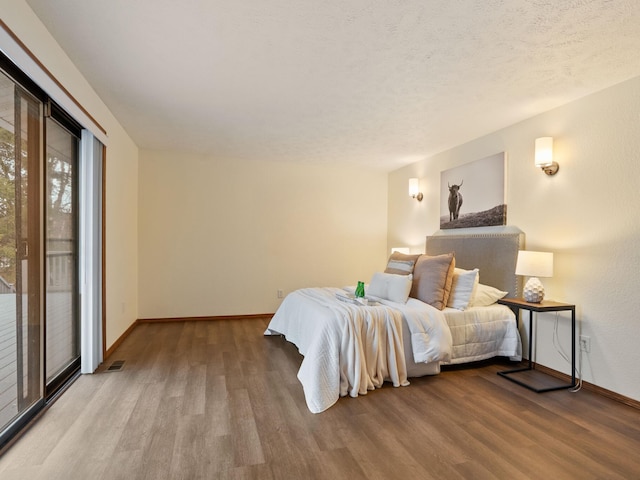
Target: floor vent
x=116, y=366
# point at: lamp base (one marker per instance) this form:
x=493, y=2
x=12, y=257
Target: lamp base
x=533, y=290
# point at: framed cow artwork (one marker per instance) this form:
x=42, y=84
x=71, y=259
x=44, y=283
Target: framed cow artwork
x=474, y=194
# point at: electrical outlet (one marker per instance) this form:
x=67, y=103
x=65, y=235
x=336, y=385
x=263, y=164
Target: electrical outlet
x=585, y=343
x=280, y=293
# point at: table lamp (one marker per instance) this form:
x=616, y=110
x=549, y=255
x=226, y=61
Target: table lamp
x=534, y=265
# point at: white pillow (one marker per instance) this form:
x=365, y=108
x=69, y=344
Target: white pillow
x=463, y=288
x=486, y=295
x=390, y=286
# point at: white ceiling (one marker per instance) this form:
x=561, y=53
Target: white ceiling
x=365, y=82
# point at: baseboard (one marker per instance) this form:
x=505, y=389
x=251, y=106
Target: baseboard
x=205, y=319
x=591, y=387
x=120, y=339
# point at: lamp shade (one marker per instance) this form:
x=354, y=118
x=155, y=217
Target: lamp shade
x=544, y=151
x=534, y=264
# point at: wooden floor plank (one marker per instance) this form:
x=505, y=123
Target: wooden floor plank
x=217, y=399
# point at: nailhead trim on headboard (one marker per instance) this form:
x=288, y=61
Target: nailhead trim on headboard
x=494, y=254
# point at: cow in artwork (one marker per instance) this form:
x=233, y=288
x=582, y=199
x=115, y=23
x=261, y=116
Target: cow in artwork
x=455, y=201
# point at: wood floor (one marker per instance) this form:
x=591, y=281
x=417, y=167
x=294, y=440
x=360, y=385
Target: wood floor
x=217, y=400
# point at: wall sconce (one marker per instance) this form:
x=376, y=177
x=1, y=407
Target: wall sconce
x=544, y=156
x=534, y=265
x=414, y=189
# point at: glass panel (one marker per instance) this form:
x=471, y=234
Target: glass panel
x=20, y=320
x=62, y=327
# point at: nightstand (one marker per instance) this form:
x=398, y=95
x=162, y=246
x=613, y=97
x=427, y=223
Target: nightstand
x=524, y=376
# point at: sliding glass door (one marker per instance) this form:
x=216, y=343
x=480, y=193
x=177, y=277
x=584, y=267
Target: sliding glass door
x=62, y=331
x=21, y=385
x=39, y=261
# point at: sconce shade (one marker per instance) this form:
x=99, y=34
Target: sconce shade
x=414, y=189
x=544, y=151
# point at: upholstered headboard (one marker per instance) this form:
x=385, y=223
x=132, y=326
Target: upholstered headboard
x=494, y=254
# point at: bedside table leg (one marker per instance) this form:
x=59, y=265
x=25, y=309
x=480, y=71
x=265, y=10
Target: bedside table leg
x=530, y=339
x=573, y=347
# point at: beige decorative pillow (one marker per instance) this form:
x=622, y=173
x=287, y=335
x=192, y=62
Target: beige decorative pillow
x=401, y=264
x=432, y=277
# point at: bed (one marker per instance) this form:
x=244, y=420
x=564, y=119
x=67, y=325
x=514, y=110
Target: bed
x=350, y=348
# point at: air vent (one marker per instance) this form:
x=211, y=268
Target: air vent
x=116, y=366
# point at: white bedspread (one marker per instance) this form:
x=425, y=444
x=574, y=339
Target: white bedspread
x=351, y=349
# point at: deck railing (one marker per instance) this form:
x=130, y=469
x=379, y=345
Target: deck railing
x=6, y=287
x=60, y=267
x=59, y=279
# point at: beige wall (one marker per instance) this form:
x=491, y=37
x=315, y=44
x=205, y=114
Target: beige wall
x=122, y=169
x=587, y=215
x=220, y=238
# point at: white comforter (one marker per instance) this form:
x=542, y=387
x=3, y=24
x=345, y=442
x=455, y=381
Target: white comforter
x=350, y=349
x=483, y=332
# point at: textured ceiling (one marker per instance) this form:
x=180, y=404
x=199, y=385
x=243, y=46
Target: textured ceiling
x=366, y=82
